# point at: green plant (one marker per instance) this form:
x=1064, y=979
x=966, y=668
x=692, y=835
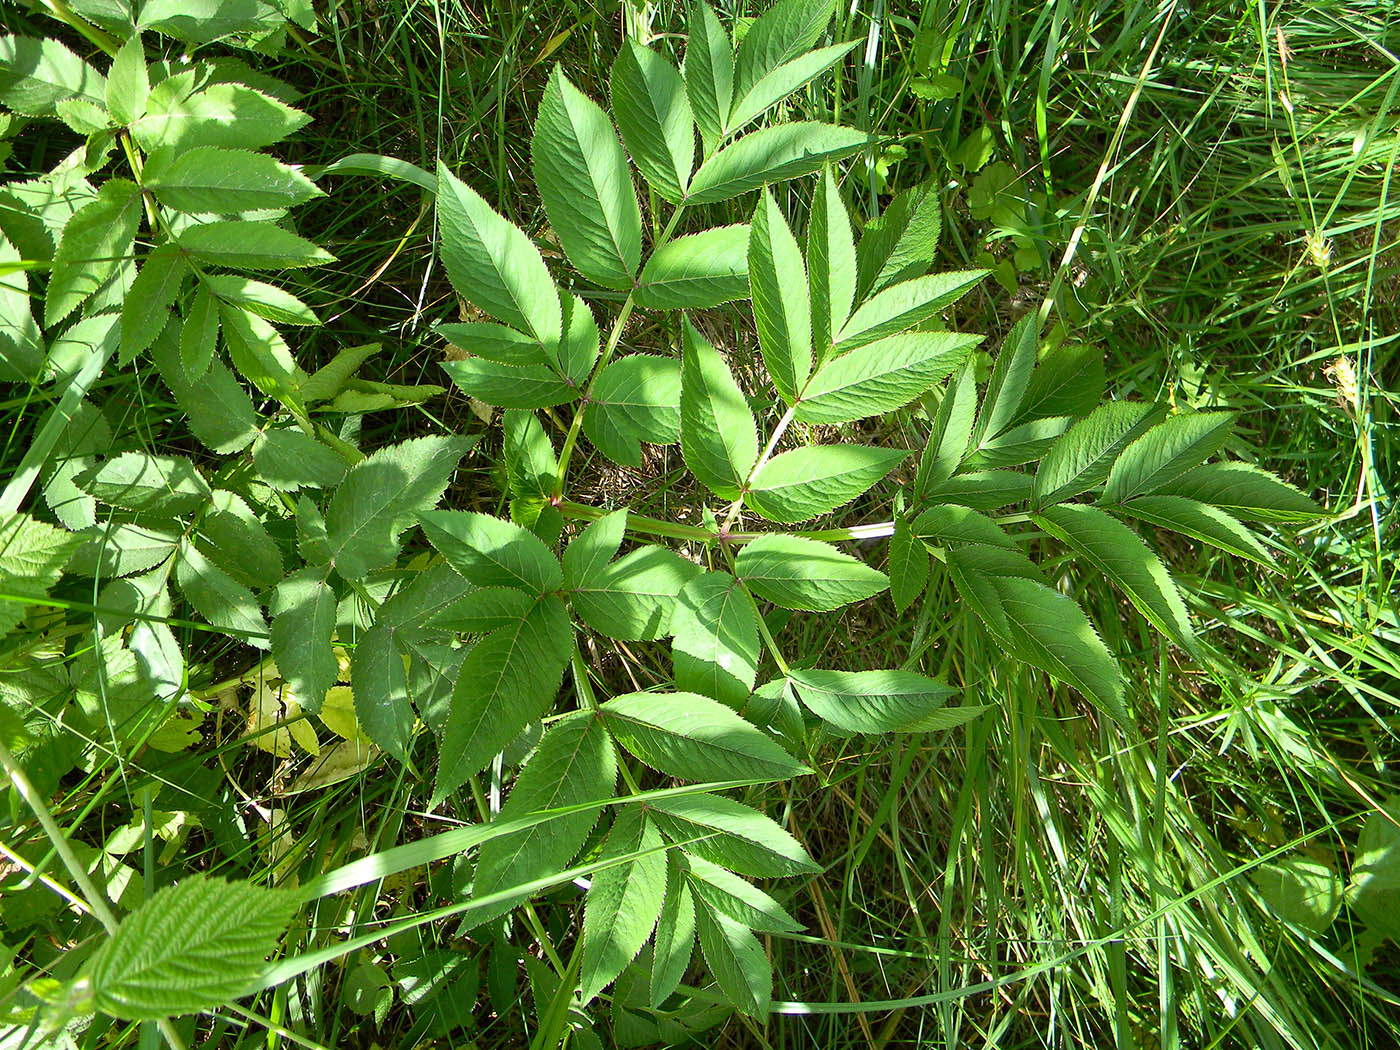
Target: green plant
x=461, y=657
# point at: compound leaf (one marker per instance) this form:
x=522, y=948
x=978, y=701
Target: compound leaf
x=714, y=650
x=882, y=376
x=303, y=621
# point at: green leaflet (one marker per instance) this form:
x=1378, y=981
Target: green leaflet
x=37, y=73
x=483, y=610
x=529, y=386
x=882, y=376
x=635, y=399
x=303, y=620
x=589, y=553
x=719, y=438
x=1067, y=381
x=736, y=959
x=624, y=901
x=783, y=80
x=831, y=264
x=208, y=180
x=96, y=240
x=774, y=154
x=493, y=265
x=219, y=598
x=250, y=246
x=233, y=536
x=952, y=430
x=1081, y=459
x=1246, y=492
x=574, y=763
x=731, y=834
x=901, y=243
x=288, y=460
x=32, y=558
x=191, y=947
x=147, y=305
x=983, y=489
x=256, y=297
x=495, y=342
x=382, y=496
x=815, y=479
x=141, y=482
x=181, y=116
x=904, y=305
x=1301, y=891
x=783, y=33
x=653, y=113
x=120, y=549
x=1007, y=386
x=872, y=701
x=261, y=356
x=633, y=597
x=1166, y=452
x=737, y=898
x=1199, y=521
x=691, y=736
x=531, y=464
x=950, y=524
x=581, y=173
x=714, y=648
x=674, y=939
x=799, y=573
x=696, y=271
x=1018, y=444
x=709, y=73
x=491, y=552
x=908, y=566
x=1119, y=553
x=507, y=681
x=221, y=415
x=781, y=310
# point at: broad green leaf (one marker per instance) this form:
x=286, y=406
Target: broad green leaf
x=492, y=264
x=96, y=241
x=632, y=598
x=1081, y=459
x=1375, y=870
x=781, y=310
x=909, y=566
x=1068, y=381
x=581, y=344
x=1119, y=553
x=1202, y=522
x=507, y=681
x=492, y=552
x=575, y=763
x=483, y=610
x=719, y=438
x=974, y=569
x=1166, y=452
x=250, y=246
x=798, y=573
x=221, y=415
x=623, y=902
x=882, y=376
x=952, y=430
x=736, y=959
x=21, y=345
x=904, y=305
x=653, y=114
x=147, y=305
x=693, y=737
x=715, y=639
x=38, y=72
x=1018, y=444
x=1246, y=492
x=591, y=550
x=831, y=262
x=32, y=557
x=731, y=834
x=260, y=354
x=1010, y=376
x=783, y=80
x=776, y=154
x=634, y=399
x=901, y=243
x=816, y=479
x=265, y=300
x=1301, y=891
x=128, y=82
x=950, y=524
x=523, y=387
x=219, y=598
x=142, y=482
x=984, y=489
x=86, y=434
x=303, y=620
x=382, y=496
x=785, y=32
x=1047, y=630
x=230, y=534
x=709, y=73
x=581, y=174
x=675, y=936
x=697, y=271
x=872, y=701
x=288, y=460
x=122, y=548
x=205, y=21
x=181, y=114
x=190, y=947
x=209, y=180
x=531, y=464
x=737, y=898
x=495, y=342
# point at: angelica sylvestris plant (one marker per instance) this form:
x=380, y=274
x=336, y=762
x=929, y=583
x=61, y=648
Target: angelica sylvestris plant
x=631, y=335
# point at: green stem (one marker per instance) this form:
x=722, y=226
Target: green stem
x=614, y=338
x=97, y=37
x=639, y=523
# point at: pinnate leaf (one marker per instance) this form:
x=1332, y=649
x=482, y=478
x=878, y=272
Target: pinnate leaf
x=209, y=180
x=1166, y=452
x=731, y=834
x=303, y=621
x=1246, y=492
x=882, y=376
x=714, y=650
x=1081, y=459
